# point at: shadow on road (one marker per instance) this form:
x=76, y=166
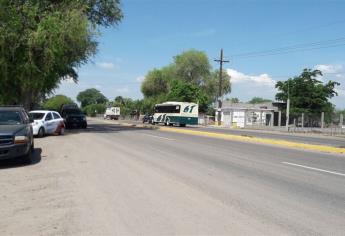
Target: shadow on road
x=15, y=163
x=107, y=128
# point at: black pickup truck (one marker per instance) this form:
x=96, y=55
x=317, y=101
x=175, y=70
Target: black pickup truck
x=73, y=116
x=16, y=138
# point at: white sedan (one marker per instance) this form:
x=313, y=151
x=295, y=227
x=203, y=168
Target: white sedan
x=47, y=122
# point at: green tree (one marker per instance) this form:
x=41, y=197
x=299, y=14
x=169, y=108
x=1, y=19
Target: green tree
x=192, y=66
x=193, y=70
x=94, y=109
x=182, y=91
x=43, y=42
x=118, y=101
x=256, y=100
x=233, y=100
x=307, y=93
x=211, y=85
x=155, y=83
x=91, y=96
x=56, y=102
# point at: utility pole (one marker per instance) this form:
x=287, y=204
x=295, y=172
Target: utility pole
x=220, y=61
x=288, y=108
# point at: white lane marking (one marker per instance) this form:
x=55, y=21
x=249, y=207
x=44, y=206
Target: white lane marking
x=154, y=136
x=313, y=168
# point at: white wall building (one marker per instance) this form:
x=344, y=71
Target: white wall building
x=245, y=114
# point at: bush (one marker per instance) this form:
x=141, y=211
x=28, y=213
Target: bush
x=55, y=103
x=93, y=109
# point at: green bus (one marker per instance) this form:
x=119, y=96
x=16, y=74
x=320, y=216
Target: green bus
x=176, y=113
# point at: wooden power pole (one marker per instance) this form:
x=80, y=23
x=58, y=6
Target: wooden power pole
x=220, y=61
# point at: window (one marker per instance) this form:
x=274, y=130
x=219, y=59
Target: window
x=56, y=116
x=49, y=117
x=10, y=118
x=36, y=115
x=167, y=109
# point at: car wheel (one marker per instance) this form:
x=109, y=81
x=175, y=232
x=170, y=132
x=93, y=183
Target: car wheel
x=27, y=159
x=168, y=122
x=41, y=132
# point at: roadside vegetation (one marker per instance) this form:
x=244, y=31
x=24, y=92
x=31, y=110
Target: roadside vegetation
x=44, y=42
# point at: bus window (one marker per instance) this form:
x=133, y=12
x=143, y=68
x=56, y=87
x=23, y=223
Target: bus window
x=167, y=109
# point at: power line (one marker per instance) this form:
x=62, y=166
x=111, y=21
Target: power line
x=294, y=48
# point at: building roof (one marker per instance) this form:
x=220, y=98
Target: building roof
x=227, y=105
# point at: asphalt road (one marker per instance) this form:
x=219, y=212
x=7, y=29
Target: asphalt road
x=116, y=180
x=308, y=138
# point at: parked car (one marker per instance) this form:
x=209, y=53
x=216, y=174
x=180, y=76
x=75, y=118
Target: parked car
x=16, y=134
x=148, y=119
x=46, y=122
x=73, y=116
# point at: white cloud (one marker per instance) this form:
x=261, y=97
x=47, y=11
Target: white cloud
x=140, y=78
x=262, y=79
x=329, y=69
x=106, y=65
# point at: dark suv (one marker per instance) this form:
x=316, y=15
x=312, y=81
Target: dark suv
x=16, y=138
x=73, y=116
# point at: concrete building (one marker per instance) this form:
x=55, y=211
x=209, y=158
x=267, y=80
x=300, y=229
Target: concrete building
x=245, y=114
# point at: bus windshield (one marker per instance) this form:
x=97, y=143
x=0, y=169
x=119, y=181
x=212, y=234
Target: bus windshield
x=168, y=109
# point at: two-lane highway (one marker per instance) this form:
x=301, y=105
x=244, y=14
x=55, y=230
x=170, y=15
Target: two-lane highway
x=118, y=180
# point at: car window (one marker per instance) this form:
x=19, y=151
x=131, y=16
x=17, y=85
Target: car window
x=36, y=115
x=49, y=116
x=10, y=118
x=56, y=115
x=25, y=117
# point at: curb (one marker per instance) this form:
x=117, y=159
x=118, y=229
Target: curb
x=252, y=139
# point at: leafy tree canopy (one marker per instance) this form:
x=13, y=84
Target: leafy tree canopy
x=56, y=102
x=91, y=96
x=192, y=66
x=190, y=70
x=93, y=109
x=211, y=85
x=155, y=83
x=233, y=100
x=307, y=93
x=182, y=91
x=42, y=42
x=256, y=100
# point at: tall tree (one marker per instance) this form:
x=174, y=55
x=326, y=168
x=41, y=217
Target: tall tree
x=182, y=91
x=256, y=100
x=190, y=69
x=56, y=102
x=211, y=85
x=42, y=42
x=307, y=93
x=192, y=66
x=91, y=96
x=155, y=83
x=233, y=100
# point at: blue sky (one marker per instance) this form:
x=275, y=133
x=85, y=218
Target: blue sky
x=153, y=31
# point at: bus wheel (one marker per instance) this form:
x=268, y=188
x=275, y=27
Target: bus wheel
x=167, y=122
x=182, y=125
